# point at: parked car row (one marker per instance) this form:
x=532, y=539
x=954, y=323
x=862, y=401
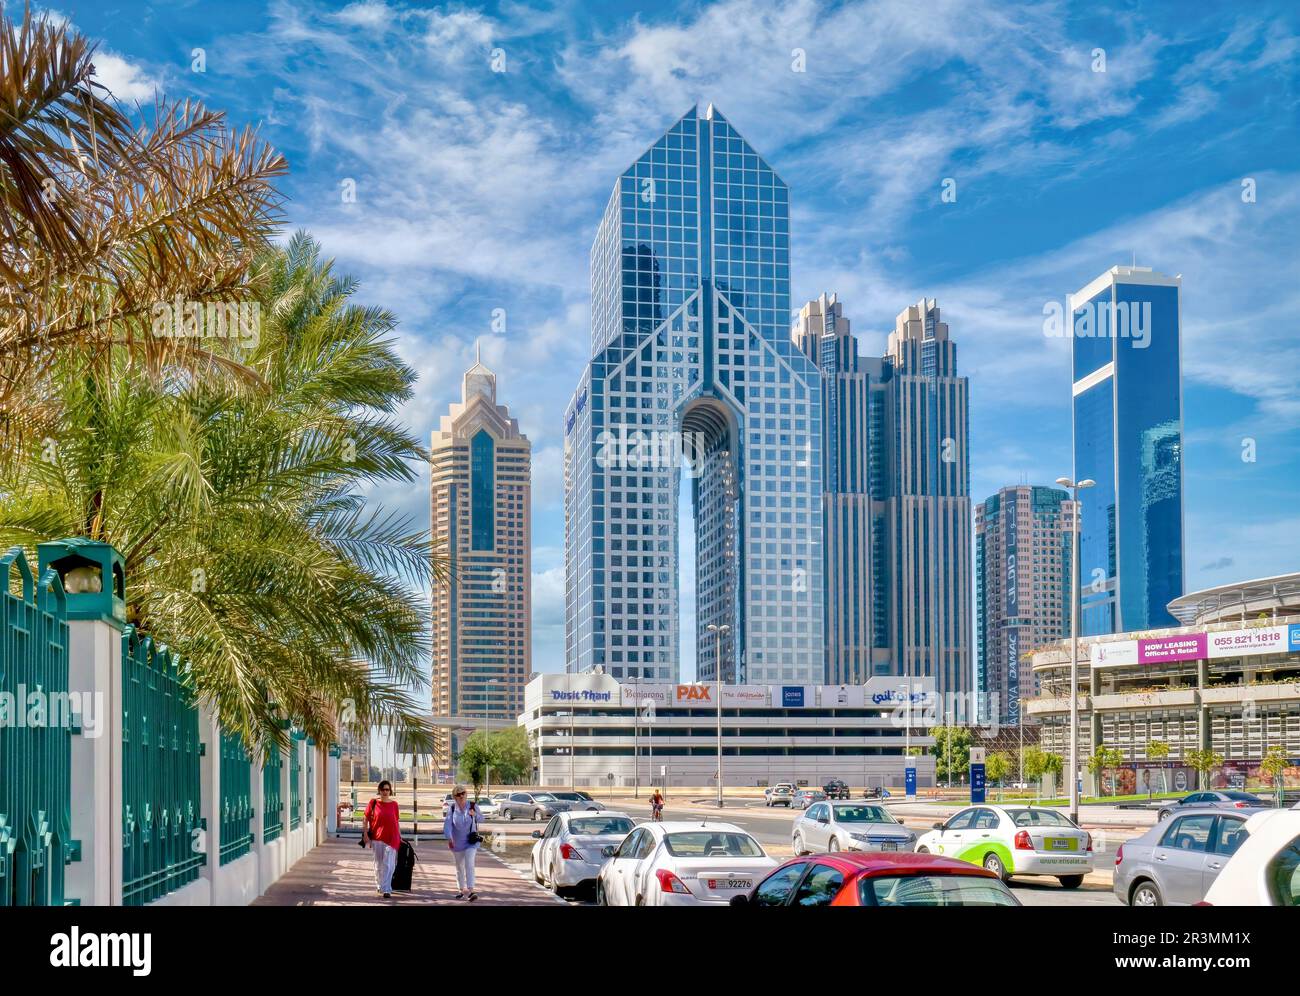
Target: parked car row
x=709, y=863
x=853, y=853
x=535, y=806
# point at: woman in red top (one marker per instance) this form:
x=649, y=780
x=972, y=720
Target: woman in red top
x=383, y=833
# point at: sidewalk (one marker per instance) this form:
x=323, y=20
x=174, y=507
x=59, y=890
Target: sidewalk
x=339, y=873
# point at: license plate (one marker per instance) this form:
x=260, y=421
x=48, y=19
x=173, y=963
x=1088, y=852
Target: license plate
x=1061, y=843
x=730, y=883
x=889, y=845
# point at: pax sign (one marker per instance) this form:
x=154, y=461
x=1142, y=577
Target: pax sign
x=693, y=693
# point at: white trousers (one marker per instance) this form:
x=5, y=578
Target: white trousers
x=385, y=863
x=465, y=868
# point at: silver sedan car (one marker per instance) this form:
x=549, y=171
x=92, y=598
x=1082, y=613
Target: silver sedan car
x=569, y=853
x=1218, y=799
x=1176, y=861
x=849, y=826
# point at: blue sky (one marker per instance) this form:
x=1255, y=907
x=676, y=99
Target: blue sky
x=478, y=190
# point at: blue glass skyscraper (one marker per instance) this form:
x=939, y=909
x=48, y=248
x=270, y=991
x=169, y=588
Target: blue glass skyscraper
x=690, y=282
x=1128, y=437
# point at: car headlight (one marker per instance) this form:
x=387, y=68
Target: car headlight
x=858, y=836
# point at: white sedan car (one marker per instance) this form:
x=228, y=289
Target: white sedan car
x=1265, y=869
x=682, y=864
x=1015, y=840
x=569, y=852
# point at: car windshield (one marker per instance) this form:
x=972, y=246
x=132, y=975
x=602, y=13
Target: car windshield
x=1039, y=818
x=592, y=826
x=712, y=844
x=863, y=814
x=934, y=890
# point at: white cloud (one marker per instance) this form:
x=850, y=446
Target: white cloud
x=126, y=81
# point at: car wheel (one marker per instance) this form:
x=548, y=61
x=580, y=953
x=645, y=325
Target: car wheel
x=510, y=816
x=833, y=846
x=640, y=900
x=1163, y=814
x=600, y=894
x=994, y=864
x=537, y=878
x=922, y=850
x=554, y=883
x=1145, y=894
x=538, y=816
x=799, y=852
x=1070, y=881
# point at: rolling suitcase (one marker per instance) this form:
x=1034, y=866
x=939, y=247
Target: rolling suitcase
x=405, y=867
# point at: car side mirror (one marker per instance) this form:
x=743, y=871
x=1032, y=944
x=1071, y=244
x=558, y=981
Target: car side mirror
x=607, y=851
x=537, y=835
x=739, y=900
x=938, y=826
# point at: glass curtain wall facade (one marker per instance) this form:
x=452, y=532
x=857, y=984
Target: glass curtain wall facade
x=853, y=502
x=693, y=372
x=1128, y=438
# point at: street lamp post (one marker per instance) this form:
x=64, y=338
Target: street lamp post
x=719, y=632
x=487, y=763
x=1075, y=487
x=636, y=729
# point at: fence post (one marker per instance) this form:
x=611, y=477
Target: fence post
x=210, y=795
x=96, y=612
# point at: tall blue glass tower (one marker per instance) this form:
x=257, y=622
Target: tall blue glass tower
x=1128, y=437
x=692, y=372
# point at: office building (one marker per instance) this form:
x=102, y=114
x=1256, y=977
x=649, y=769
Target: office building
x=482, y=616
x=693, y=376
x=1023, y=539
x=1128, y=437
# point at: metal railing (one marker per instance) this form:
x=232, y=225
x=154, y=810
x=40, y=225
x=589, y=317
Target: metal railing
x=272, y=801
x=160, y=772
x=236, y=799
x=35, y=757
x=295, y=779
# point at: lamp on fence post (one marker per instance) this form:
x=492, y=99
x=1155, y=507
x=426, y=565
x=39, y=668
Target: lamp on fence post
x=88, y=663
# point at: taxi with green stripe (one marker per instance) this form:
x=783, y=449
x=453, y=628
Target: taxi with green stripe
x=1014, y=840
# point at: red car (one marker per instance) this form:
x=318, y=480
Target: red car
x=878, y=879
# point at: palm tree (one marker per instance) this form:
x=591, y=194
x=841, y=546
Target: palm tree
x=102, y=217
x=238, y=506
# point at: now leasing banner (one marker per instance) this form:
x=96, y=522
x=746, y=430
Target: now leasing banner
x=1184, y=647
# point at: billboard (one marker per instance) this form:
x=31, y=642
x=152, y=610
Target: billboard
x=1116, y=653
x=1165, y=649
x=1260, y=640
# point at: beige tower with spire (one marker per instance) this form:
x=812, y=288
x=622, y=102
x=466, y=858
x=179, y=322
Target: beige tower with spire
x=482, y=618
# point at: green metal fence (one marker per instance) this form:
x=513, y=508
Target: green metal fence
x=35, y=740
x=295, y=780
x=236, y=799
x=160, y=772
x=311, y=779
x=272, y=802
